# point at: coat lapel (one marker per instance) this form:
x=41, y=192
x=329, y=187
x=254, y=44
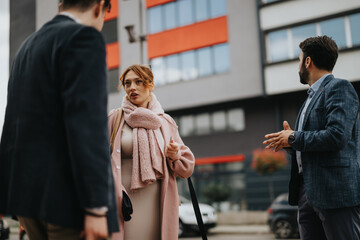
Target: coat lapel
x=315, y=98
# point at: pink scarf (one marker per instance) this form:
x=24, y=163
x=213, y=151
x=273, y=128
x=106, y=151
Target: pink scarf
x=148, y=157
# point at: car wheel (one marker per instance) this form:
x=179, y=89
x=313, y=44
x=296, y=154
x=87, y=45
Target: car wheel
x=283, y=229
x=181, y=229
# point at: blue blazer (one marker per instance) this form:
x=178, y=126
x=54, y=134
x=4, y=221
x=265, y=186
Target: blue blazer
x=329, y=145
x=54, y=151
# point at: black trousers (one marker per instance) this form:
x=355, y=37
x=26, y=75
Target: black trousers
x=329, y=224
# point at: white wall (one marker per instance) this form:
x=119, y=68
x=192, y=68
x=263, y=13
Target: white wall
x=290, y=12
x=4, y=56
x=284, y=77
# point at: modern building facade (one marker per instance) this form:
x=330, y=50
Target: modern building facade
x=226, y=70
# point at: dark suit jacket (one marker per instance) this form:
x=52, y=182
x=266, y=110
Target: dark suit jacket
x=54, y=152
x=329, y=145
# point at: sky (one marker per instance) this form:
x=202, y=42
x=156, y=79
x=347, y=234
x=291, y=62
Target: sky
x=4, y=56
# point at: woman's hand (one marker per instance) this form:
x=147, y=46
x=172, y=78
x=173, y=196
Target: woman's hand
x=172, y=150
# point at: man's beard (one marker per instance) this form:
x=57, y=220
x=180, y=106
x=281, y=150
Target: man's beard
x=304, y=74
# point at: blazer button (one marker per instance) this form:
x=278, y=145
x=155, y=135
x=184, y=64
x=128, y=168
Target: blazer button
x=118, y=150
x=117, y=167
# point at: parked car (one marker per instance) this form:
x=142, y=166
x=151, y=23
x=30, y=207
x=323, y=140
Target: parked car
x=187, y=218
x=4, y=229
x=282, y=218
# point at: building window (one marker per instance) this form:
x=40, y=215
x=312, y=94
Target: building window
x=191, y=64
x=158, y=69
x=232, y=120
x=187, y=126
x=204, y=62
x=222, y=58
x=188, y=65
x=217, y=8
x=155, y=19
x=170, y=16
x=202, y=10
x=236, y=119
x=355, y=29
x=336, y=29
x=183, y=12
x=202, y=123
x=172, y=64
x=185, y=8
x=219, y=121
x=299, y=34
x=284, y=44
x=277, y=41
x=113, y=80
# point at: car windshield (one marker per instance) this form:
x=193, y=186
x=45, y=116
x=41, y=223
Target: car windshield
x=184, y=200
x=282, y=198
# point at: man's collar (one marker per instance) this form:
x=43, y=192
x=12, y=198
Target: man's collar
x=317, y=84
x=70, y=16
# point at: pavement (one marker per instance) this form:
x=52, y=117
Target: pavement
x=240, y=229
x=220, y=229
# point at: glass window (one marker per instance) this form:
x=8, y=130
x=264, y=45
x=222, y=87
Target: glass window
x=217, y=8
x=236, y=118
x=155, y=19
x=222, y=58
x=201, y=10
x=300, y=34
x=187, y=125
x=188, y=65
x=158, y=69
x=172, y=68
x=113, y=79
x=278, y=46
x=335, y=28
x=186, y=15
x=219, y=121
x=355, y=28
x=202, y=122
x=204, y=61
x=170, y=15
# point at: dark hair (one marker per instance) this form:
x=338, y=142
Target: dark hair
x=84, y=4
x=143, y=71
x=322, y=50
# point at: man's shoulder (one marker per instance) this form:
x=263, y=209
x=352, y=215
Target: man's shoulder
x=66, y=29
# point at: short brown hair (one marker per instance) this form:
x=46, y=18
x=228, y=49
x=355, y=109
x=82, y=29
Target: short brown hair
x=144, y=72
x=322, y=50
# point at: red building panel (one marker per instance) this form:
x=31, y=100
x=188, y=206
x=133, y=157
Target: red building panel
x=220, y=159
x=113, y=55
x=153, y=3
x=114, y=12
x=194, y=36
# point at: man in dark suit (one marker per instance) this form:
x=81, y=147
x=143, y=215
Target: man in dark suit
x=325, y=173
x=55, y=172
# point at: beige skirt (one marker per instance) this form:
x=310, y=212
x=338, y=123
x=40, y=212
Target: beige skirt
x=145, y=223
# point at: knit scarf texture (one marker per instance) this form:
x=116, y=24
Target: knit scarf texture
x=149, y=160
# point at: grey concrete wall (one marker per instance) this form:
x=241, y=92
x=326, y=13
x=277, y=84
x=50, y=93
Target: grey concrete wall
x=45, y=11
x=22, y=23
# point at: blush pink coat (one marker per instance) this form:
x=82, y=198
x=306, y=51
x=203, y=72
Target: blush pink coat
x=181, y=167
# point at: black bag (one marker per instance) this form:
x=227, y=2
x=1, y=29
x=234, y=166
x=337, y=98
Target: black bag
x=126, y=208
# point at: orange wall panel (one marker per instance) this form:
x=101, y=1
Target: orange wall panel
x=114, y=12
x=153, y=3
x=220, y=159
x=198, y=35
x=113, y=55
